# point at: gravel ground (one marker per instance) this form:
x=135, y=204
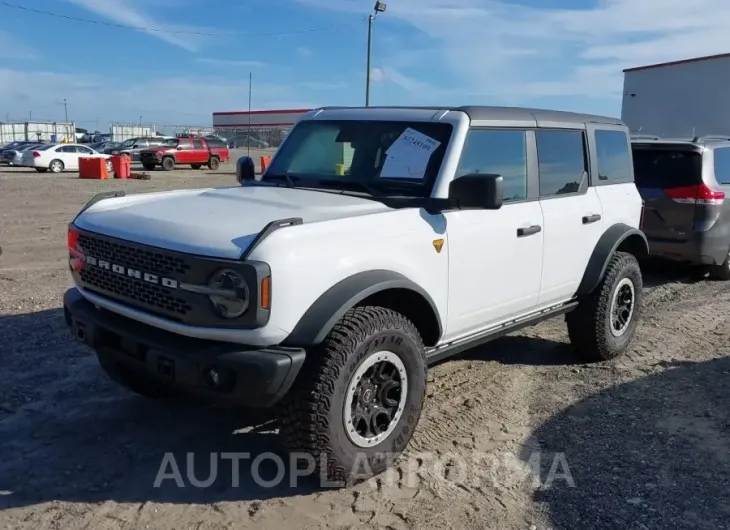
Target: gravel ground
x=514, y=435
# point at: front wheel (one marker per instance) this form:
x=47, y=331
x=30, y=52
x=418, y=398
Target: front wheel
x=603, y=324
x=214, y=163
x=357, y=402
x=168, y=163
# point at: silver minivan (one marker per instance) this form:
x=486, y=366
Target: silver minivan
x=684, y=184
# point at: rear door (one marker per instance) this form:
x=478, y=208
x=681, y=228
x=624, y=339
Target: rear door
x=669, y=178
x=200, y=151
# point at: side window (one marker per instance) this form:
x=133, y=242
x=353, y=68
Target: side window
x=67, y=149
x=197, y=144
x=722, y=165
x=500, y=152
x=614, y=156
x=141, y=143
x=561, y=160
x=84, y=150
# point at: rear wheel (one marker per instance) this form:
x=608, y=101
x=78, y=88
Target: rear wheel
x=168, y=163
x=214, y=163
x=721, y=272
x=56, y=166
x=357, y=402
x=603, y=324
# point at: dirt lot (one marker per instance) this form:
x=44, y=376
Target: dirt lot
x=642, y=442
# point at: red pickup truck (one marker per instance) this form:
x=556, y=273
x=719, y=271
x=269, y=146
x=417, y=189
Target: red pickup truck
x=197, y=152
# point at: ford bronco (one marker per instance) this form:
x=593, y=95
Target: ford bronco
x=377, y=242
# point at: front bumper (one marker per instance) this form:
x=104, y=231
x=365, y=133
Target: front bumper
x=255, y=377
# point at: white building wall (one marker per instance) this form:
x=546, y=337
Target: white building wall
x=259, y=118
x=679, y=99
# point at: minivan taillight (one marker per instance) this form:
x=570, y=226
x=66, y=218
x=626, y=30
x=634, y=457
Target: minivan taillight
x=699, y=194
x=36, y=154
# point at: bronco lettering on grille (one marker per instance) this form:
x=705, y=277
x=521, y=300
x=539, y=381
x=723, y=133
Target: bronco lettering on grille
x=132, y=273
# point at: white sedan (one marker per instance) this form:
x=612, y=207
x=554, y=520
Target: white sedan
x=60, y=157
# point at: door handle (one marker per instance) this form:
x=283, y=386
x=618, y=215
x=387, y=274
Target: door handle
x=530, y=230
x=587, y=219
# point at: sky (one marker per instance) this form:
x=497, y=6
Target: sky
x=194, y=57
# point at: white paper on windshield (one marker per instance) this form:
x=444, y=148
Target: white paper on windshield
x=409, y=155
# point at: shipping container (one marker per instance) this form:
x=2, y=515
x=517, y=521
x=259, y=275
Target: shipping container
x=679, y=99
x=37, y=131
x=120, y=132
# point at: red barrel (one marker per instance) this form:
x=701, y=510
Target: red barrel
x=122, y=166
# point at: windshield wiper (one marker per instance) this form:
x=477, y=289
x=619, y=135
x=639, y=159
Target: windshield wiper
x=352, y=184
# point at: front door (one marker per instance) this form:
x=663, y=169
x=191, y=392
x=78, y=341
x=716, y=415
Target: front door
x=495, y=256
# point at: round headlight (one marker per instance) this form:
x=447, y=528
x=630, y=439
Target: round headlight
x=231, y=296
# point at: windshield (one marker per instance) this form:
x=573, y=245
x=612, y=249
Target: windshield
x=394, y=157
x=44, y=147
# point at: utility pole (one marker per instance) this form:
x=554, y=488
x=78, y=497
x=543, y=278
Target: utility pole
x=140, y=121
x=248, y=139
x=65, y=109
x=379, y=8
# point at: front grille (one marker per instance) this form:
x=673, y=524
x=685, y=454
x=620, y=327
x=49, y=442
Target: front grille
x=145, y=295
x=148, y=260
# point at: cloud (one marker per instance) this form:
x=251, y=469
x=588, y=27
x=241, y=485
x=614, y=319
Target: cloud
x=504, y=52
x=12, y=48
x=133, y=13
x=176, y=101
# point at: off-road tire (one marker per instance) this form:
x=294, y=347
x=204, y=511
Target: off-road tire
x=312, y=414
x=148, y=166
x=589, y=324
x=196, y=166
x=721, y=272
x=168, y=163
x=137, y=383
x=214, y=163
x=56, y=166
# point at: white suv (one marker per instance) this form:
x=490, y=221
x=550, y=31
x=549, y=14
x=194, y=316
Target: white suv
x=378, y=241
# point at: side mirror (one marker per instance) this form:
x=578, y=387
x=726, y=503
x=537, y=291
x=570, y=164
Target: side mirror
x=245, y=169
x=476, y=191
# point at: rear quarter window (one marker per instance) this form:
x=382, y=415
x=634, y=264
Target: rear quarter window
x=613, y=156
x=722, y=165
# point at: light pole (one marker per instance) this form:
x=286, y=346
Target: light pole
x=379, y=8
x=65, y=109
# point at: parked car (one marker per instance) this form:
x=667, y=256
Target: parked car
x=684, y=185
x=134, y=146
x=60, y=157
x=15, y=156
x=197, y=152
x=12, y=146
x=101, y=147
x=328, y=296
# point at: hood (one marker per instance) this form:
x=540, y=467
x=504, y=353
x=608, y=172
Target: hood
x=218, y=222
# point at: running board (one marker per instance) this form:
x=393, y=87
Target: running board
x=450, y=349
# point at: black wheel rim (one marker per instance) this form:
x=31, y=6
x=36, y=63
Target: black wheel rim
x=622, y=307
x=375, y=399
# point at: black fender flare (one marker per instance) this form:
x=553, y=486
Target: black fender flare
x=324, y=313
x=607, y=245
